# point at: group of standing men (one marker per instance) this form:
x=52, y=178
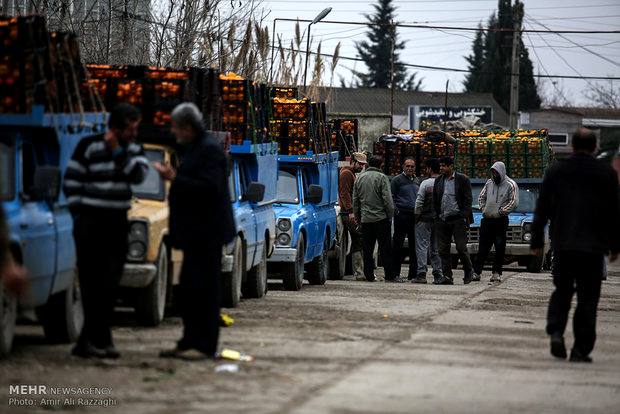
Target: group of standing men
x=430, y=213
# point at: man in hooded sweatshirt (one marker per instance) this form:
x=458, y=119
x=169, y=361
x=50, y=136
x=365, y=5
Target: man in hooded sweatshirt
x=498, y=198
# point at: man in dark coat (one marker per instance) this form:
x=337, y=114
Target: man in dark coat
x=405, y=189
x=201, y=223
x=452, y=202
x=579, y=197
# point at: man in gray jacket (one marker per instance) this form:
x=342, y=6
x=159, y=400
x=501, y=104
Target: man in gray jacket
x=374, y=208
x=498, y=198
x=425, y=238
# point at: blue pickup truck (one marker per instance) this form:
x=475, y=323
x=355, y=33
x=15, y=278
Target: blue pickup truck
x=305, y=219
x=34, y=150
x=519, y=233
x=253, y=186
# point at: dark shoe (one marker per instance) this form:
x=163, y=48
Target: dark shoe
x=558, y=349
x=475, y=277
x=170, y=353
x=396, y=280
x=111, y=352
x=420, y=279
x=446, y=281
x=88, y=350
x=576, y=356
x=468, y=278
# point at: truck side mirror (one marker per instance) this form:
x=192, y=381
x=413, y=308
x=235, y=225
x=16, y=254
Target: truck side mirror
x=315, y=194
x=46, y=183
x=255, y=192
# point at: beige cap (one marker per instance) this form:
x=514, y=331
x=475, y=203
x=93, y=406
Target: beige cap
x=360, y=157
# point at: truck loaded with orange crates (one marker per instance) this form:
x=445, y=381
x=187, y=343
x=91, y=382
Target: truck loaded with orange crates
x=526, y=154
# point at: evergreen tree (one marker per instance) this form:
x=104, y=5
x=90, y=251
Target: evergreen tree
x=493, y=71
x=376, y=52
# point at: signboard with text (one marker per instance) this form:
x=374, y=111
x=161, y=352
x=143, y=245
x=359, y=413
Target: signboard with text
x=423, y=117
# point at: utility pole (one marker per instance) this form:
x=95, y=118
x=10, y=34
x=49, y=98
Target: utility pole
x=516, y=58
x=393, y=37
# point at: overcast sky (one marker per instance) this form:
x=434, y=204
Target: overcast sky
x=548, y=52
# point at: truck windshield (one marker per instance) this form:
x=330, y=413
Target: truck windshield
x=287, y=188
x=152, y=187
x=528, y=195
x=7, y=188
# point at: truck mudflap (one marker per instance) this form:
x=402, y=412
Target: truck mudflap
x=283, y=254
x=138, y=275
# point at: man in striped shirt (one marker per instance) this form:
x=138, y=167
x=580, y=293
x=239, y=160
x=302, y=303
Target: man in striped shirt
x=97, y=185
x=498, y=198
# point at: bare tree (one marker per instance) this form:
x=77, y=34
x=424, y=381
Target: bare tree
x=552, y=93
x=603, y=94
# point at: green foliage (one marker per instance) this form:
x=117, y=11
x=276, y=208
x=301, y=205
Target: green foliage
x=376, y=52
x=490, y=62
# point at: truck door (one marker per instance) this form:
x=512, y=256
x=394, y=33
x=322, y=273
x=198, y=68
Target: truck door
x=37, y=229
x=247, y=216
x=313, y=227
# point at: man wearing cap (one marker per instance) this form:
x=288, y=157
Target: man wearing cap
x=346, y=181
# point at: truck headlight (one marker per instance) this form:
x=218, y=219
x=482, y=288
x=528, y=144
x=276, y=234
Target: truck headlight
x=136, y=250
x=284, y=225
x=137, y=231
x=527, y=237
x=284, y=239
x=527, y=228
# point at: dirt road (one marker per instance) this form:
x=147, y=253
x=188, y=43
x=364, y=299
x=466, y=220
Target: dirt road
x=348, y=347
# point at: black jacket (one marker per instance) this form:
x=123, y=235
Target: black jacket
x=462, y=188
x=200, y=207
x=579, y=196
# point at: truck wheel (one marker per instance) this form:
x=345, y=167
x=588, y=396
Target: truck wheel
x=62, y=316
x=293, y=275
x=255, y=285
x=535, y=264
x=151, y=300
x=8, y=315
x=338, y=264
x=318, y=270
x=231, y=282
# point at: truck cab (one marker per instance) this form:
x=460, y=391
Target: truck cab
x=148, y=272
x=252, y=185
x=305, y=218
x=519, y=234
x=34, y=150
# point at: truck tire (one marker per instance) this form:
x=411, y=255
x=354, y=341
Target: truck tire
x=255, y=285
x=231, y=282
x=318, y=269
x=293, y=273
x=151, y=300
x=338, y=264
x=62, y=316
x=8, y=316
x=535, y=264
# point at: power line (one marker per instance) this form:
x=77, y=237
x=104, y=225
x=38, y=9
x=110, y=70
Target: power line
x=470, y=29
x=582, y=47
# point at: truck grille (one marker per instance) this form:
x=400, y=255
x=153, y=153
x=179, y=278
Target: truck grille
x=513, y=235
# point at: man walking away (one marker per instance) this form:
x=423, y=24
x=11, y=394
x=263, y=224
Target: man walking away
x=405, y=188
x=425, y=235
x=346, y=180
x=580, y=197
x=201, y=223
x=97, y=184
x=452, y=201
x=498, y=198
x=374, y=208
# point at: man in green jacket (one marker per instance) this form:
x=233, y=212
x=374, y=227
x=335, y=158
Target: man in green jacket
x=374, y=208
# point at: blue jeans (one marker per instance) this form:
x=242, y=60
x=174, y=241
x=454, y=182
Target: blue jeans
x=426, y=239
